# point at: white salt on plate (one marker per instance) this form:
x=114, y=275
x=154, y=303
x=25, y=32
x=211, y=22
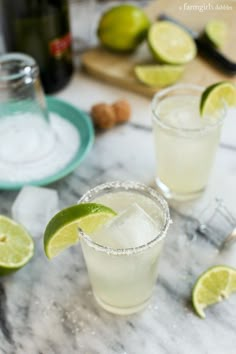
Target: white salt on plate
x=66, y=144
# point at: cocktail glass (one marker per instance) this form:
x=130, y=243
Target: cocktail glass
x=123, y=278
x=185, y=143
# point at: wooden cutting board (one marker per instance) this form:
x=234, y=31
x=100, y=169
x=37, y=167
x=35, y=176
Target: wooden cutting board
x=118, y=69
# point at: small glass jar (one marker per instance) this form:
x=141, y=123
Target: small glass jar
x=26, y=135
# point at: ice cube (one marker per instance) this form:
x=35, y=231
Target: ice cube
x=34, y=207
x=131, y=228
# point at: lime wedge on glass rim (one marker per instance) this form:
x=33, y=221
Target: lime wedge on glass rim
x=158, y=75
x=214, y=285
x=216, y=96
x=16, y=246
x=216, y=32
x=171, y=44
x=62, y=230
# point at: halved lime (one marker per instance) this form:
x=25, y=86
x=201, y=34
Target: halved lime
x=216, y=96
x=158, y=75
x=16, y=246
x=214, y=285
x=62, y=230
x=122, y=28
x=171, y=44
x=216, y=32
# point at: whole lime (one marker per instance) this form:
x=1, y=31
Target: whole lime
x=122, y=28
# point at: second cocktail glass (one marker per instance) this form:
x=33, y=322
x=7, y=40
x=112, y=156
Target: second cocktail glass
x=185, y=143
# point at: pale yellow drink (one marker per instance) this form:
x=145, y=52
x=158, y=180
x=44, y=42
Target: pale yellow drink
x=185, y=143
x=122, y=258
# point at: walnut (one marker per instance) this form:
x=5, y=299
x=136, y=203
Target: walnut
x=103, y=115
x=122, y=111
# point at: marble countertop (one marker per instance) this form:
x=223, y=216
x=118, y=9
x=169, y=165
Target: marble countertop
x=48, y=308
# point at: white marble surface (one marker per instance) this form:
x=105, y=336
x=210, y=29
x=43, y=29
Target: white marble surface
x=48, y=308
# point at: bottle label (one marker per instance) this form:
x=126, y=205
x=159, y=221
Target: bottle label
x=59, y=46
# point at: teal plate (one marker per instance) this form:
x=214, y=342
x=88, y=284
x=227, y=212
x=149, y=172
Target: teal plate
x=82, y=123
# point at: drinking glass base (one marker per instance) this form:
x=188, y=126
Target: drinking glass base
x=121, y=310
x=169, y=194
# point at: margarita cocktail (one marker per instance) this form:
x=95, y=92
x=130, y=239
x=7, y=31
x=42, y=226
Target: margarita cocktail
x=185, y=143
x=122, y=256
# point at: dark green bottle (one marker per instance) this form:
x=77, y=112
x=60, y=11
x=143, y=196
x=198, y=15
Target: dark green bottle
x=41, y=29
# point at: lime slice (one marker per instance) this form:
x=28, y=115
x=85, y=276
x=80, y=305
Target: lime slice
x=158, y=75
x=171, y=44
x=62, y=230
x=216, y=284
x=122, y=28
x=216, y=96
x=16, y=246
x=216, y=32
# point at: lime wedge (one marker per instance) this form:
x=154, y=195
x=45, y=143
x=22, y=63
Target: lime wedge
x=216, y=32
x=62, y=230
x=171, y=44
x=216, y=284
x=158, y=75
x=216, y=96
x=16, y=246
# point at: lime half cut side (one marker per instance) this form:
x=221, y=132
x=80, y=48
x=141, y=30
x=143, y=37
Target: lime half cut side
x=171, y=44
x=62, y=230
x=216, y=284
x=216, y=32
x=16, y=246
x=158, y=75
x=216, y=96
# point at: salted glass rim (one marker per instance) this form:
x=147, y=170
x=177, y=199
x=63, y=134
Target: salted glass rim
x=135, y=187
x=161, y=95
x=30, y=66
